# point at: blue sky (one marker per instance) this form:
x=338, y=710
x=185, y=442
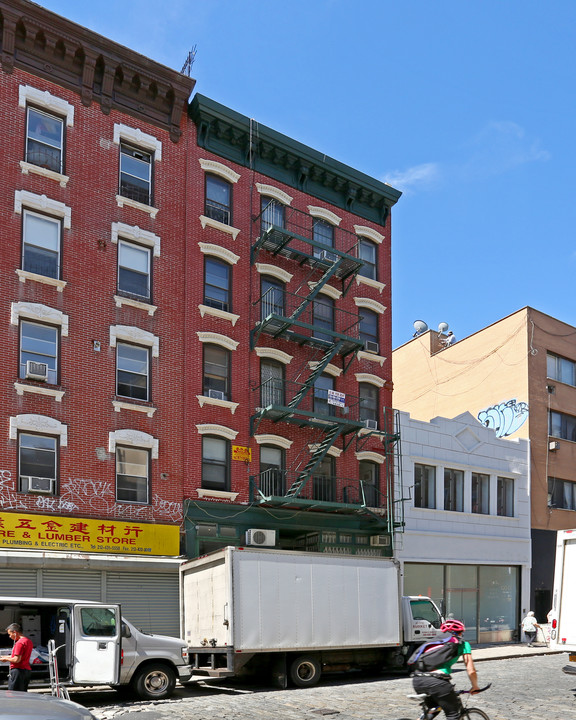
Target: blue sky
x=467, y=106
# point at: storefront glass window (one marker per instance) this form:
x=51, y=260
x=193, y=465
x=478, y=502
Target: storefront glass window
x=498, y=604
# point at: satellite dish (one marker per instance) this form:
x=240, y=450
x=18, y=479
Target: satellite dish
x=443, y=327
x=420, y=327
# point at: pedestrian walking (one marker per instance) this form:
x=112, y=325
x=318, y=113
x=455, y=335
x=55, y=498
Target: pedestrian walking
x=19, y=660
x=530, y=627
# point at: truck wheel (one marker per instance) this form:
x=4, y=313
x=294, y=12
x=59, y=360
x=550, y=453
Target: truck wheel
x=305, y=671
x=154, y=682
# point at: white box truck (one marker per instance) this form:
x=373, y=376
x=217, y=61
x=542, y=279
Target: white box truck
x=563, y=617
x=297, y=614
x=95, y=646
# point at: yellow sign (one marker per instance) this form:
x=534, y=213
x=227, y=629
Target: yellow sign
x=244, y=454
x=54, y=532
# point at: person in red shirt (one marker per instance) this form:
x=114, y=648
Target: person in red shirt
x=20, y=671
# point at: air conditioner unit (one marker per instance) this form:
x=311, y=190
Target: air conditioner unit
x=553, y=445
x=261, y=538
x=371, y=424
x=371, y=346
x=216, y=394
x=36, y=370
x=330, y=256
x=42, y=485
x=380, y=540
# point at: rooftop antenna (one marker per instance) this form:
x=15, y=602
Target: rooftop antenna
x=187, y=67
x=420, y=327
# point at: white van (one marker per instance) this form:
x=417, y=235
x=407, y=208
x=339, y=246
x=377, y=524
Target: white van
x=95, y=646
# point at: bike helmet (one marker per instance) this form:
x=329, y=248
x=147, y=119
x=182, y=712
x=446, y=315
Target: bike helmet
x=452, y=626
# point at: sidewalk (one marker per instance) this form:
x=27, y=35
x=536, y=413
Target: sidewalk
x=510, y=650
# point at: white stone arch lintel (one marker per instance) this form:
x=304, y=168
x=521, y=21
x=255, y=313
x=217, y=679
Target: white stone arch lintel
x=276, y=440
x=134, y=438
x=219, y=252
x=139, y=138
x=275, y=193
x=324, y=214
x=217, y=168
x=38, y=424
x=369, y=378
x=219, y=430
x=46, y=101
x=217, y=339
x=274, y=271
x=136, y=335
x=330, y=369
x=369, y=233
x=136, y=234
x=274, y=354
x=370, y=304
x=32, y=201
x=41, y=313
x=370, y=456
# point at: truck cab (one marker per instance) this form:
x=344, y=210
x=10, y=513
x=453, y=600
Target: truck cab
x=421, y=619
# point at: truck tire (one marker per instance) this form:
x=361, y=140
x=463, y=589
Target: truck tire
x=305, y=671
x=154, y=682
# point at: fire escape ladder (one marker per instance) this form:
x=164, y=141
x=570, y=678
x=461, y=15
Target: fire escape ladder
x=308, y=384
x=333, y=432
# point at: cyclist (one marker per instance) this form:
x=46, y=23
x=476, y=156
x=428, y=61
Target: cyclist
x=436, y=684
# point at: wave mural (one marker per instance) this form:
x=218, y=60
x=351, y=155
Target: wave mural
x=504, y=418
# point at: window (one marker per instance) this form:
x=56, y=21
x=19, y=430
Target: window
x=480, y=493
x=453, y=490
x=44, y=140
x=132, y=371
x=271, y=383
x=272, y=470
x=98, y=621
x=561, y=494
x=38, y=351
x=324, y=481
x=37, y=456
x=41, y=244
x=425, y=486
x=272, y=213
x=561, y=369
x=562, y=426
x=215, y=463
x=369, y=477
x=323, y=317
x=218, y=205
x=367, y=251
x=368, y=401
x=217, y=284
x=323, y=232
x=321, y=387
x=505, y=497
x=369, y=329
x=132, y=470
x=134, y=270
x=136, y=174
x=273, y=295
x=216, y=372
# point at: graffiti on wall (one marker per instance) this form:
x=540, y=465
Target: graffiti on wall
x=504, y=418
x=83, y=495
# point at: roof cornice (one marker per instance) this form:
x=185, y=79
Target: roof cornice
x=239, y=139
x=98, y=69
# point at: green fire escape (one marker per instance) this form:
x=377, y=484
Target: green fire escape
x=330, y=416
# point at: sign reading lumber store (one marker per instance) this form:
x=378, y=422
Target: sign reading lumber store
x=49, y=532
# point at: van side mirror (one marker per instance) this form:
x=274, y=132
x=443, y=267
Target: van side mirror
x=126, y=631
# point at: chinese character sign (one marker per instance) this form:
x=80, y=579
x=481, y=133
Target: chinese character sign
x=46, y=532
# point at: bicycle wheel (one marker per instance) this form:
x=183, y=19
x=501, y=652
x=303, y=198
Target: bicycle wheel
x=474, y=714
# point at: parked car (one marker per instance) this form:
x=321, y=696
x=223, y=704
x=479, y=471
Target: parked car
x=33, y=706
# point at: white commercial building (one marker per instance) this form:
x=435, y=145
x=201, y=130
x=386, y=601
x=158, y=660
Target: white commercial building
x=466, y=541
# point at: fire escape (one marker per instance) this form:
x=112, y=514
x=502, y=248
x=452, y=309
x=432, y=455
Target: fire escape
x=331, y=417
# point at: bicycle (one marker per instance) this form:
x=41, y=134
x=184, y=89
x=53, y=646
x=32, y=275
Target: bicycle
x=467, y=713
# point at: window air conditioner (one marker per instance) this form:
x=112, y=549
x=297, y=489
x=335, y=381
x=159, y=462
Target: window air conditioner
x=371, y=424
x=216, y=394
x=371, y=346
x=553, y=445
x=36, y=370
x=261, y=538
x=42, y=485
x=380, y=540
x=330, y=256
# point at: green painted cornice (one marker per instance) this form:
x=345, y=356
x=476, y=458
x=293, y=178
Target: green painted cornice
x=237, y=138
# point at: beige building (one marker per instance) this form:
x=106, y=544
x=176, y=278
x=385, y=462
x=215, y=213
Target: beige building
x=517, y=376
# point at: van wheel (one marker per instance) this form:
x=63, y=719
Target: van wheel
x=305, y=671
x=154, y=682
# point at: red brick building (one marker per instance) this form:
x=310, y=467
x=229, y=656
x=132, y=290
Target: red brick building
x=196, y=332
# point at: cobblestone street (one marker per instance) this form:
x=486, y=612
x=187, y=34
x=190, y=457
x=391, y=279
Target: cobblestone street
x=521, y=687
